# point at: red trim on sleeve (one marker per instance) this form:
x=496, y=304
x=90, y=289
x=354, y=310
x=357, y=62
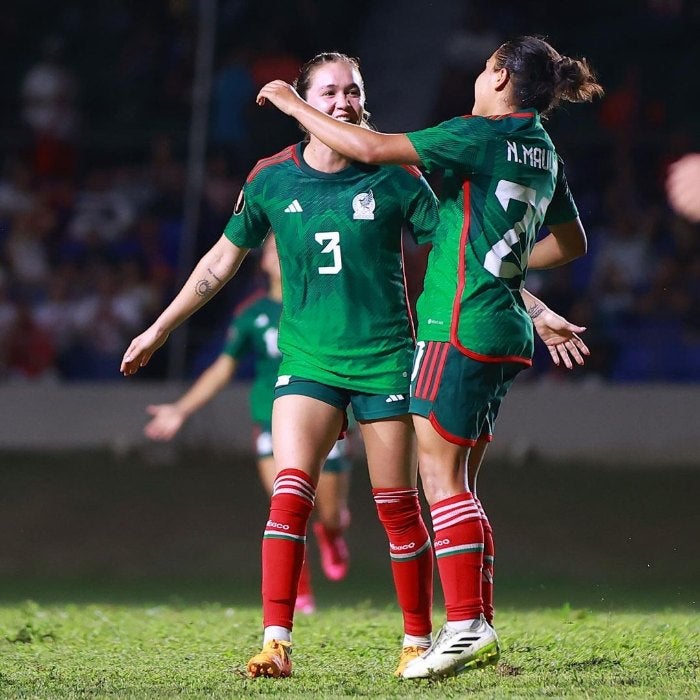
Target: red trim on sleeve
x=413, y=170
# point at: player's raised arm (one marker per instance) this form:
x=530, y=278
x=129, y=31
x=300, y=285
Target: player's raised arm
x=351, y=140
x=211, y=273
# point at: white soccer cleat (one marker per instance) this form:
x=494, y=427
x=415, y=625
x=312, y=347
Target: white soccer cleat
x=455, y=651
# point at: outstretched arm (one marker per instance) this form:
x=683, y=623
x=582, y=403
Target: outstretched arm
x=168, y=418
x=350, y=140
x=560, y=336
x=216, y=267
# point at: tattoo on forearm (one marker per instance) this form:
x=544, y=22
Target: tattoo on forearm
x=535, y=311
x=204, y=287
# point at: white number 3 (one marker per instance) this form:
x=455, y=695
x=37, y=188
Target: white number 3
x=332, y=241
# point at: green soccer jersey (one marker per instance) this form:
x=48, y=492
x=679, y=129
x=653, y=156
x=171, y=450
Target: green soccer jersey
x=254, y=331
x=345, y=319
x=502, y=181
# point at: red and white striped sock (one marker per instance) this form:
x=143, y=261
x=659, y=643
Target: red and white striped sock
x=411, y=556
x=284, y=545
x=459, y=550
x=488, y=568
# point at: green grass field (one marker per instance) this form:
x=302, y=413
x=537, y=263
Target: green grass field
x=139, y=578
x=180, y=649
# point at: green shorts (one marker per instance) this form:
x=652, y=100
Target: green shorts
x=365, y=407
x=458, y=395
x=338, y=459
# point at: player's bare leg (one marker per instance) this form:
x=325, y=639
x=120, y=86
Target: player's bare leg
x=304, y=430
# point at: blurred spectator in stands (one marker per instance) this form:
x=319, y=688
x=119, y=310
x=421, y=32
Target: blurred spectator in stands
x=273, y=59
x=17, y=193
x=30, y=352
x=48, y=94
x=55, y=314
x=100, y=208
x=465, y=53
x=624, y=252
x=26, y=250
x=164, y=178
x=104, y=319
x=232, y=102
x=8, y=316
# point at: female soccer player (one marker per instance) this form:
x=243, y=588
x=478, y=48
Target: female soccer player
x=254, y=331
x=502, y=181
x=345, y=338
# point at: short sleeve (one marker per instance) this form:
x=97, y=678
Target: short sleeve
x=458, y=144
x=422, y=213
x=248, y=225
x=562, y=208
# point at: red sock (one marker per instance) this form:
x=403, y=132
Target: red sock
x=411, y=556
x=489, y=558
x=459, y=549
x=284, y=544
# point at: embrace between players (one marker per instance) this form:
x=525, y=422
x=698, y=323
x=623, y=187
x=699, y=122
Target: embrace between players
x=337, y=203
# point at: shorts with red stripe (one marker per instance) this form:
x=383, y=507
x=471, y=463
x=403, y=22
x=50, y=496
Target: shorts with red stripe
x=460, y=396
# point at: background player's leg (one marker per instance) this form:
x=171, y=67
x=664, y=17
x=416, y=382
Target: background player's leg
x=333, y=513
x=267, y=472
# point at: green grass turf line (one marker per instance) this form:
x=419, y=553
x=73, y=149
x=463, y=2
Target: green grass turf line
x=184, y=651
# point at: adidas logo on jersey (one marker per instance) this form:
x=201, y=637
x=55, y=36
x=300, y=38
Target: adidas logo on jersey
x=294, y=207
x=394, y=397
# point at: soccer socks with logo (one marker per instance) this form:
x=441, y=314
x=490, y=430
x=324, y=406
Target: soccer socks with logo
x=459, y=550
x=284, y=545
x=489, y=559
x=411, y=556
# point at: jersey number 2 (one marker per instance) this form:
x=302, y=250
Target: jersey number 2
x=494, y=261
x=331, y=239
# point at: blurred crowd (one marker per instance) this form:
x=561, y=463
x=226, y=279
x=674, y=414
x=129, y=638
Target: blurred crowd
x=93, y=172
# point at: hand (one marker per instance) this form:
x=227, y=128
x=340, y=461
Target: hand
x=139, y=352
x=683, y=186
x=281, y=94
x=167, y=420
x=561, y=338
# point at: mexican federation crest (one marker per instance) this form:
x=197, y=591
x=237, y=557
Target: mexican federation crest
x=363, y=206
